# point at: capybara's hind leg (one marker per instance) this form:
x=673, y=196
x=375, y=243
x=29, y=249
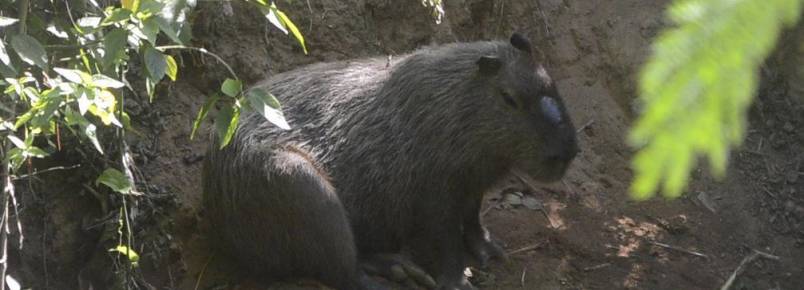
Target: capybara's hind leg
x=276, y=211
x=323, y=234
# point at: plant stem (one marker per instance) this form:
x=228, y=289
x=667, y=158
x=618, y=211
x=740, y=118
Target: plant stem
x=24, y=4
x=201, y=50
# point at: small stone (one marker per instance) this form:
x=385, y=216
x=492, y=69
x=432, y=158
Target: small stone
x=192, y=158
x=788, y=126
x=532, y=203
x=704, y=198
x=512, y=199
x=792, y=177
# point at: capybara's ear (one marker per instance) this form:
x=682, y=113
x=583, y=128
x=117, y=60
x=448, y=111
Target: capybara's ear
x=489, y=65
x=521, y=42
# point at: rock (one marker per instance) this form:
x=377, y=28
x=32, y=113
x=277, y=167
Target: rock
x=532, y=203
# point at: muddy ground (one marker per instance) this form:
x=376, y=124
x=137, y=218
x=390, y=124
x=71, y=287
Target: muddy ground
x=589, y=235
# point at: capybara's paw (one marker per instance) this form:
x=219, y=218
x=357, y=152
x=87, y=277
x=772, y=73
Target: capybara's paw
x=460, y=284
x=398, y=268
x=484, y=249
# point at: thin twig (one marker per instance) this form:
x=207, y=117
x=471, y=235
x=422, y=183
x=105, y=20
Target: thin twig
x=766, y=190
x=525, y=249
x=44, y=254
x=491, y=206
x=585, y=126
x=7, y=189
x=13, y=196
x=746, y=260
x=201, y=275
x=310, y=28
x=98, y=196
x=201, y=50
x=595, y=267
x=544, y=19
x=45, y=170
x=73, y=46
x=754, y=152
x=522, y=279
x=663, y=245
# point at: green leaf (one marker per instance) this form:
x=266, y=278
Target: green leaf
x=231, y=87
x=696, y=93
x=84, y=102
x=33, y=151
x=104, y=107
x=226, y=122
x=24, y=118
x=168, y=30
x=115, y=180
x=30, y=50
x=90, y=131
x=12, y=283
x=150, y=87
x=150, y=7
x=273, y=19
x=103, y=81
x=132, y=256
x=3, y=54
x=57, y=31
x=114, y=44
x=202, y=113
x=17, y=142
x=15, y=158
x=5, y=21
x=282, y=21
x=88, y=24
x=132, y=5
x=172, y=19
x=172, y=67
x=117, y=15
x=155, y=63
x=74, y=76
x=7, y=71
x=268, y=106
x=150, y=29
x=45, y=109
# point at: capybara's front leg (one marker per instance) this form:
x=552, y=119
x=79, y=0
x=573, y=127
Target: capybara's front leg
x=439, y=247
x=480, y=246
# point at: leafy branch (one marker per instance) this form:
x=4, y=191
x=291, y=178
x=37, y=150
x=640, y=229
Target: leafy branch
x=71, y=75
x=697, y=86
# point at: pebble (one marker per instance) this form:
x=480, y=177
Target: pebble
x=792, y=176
x=532, y=203
x=788, y=127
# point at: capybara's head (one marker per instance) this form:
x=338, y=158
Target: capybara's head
x=540, y=136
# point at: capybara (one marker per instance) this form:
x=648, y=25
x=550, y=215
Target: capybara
x=386, y=156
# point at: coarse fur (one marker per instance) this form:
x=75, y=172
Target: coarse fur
x=410, y=146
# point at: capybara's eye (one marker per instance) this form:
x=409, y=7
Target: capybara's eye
x=508, y=100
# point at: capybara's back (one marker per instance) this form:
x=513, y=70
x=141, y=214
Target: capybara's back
x=410, y=144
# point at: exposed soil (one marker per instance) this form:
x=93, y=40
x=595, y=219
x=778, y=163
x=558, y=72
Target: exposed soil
x=590, y=234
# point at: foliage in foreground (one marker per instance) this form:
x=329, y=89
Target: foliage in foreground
x=64, y=71
x=697, y=86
